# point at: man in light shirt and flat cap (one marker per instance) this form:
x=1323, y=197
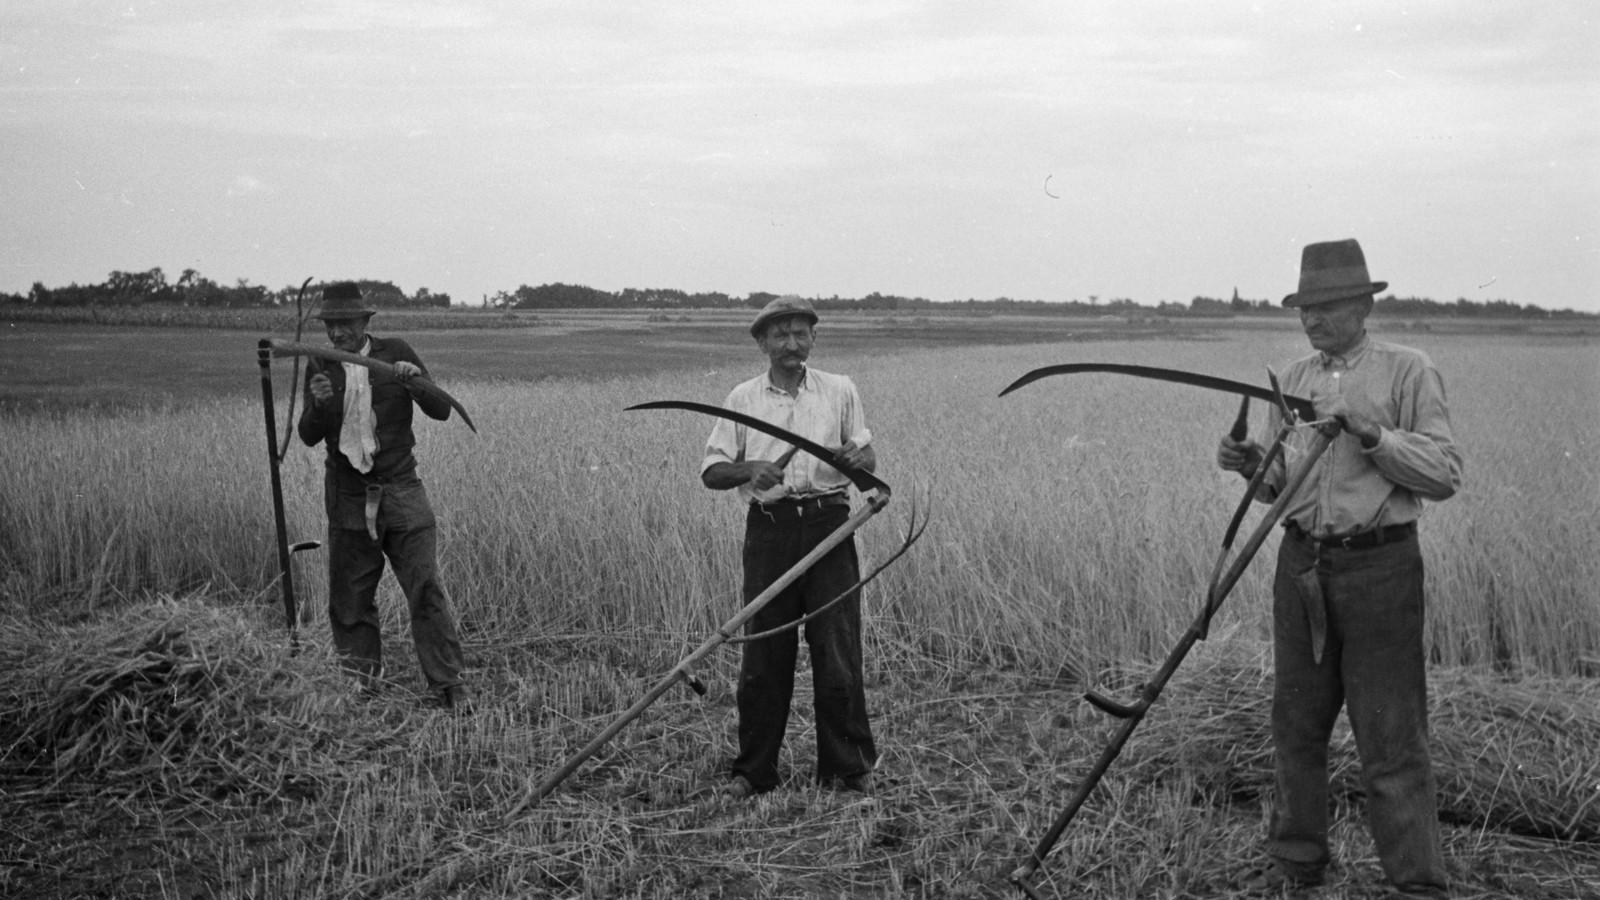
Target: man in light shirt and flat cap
x=791, y=509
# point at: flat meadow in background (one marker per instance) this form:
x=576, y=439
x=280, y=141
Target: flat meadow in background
x=1073, y=526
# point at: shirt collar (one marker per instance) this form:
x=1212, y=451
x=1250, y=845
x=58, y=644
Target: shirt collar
x=805, y=377
x=1348, y=360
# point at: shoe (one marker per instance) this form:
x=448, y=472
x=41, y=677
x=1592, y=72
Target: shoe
x=1431, y=891
x=737, y=788
x=858, y=784
x=458, y=697
x=1274, y=878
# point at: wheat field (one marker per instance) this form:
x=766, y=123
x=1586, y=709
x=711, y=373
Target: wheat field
x=1072, y=528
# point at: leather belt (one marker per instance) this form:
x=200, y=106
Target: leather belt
x=1361, y=540
x=800, y=506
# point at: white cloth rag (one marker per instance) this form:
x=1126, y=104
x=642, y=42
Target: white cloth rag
x=358, y=439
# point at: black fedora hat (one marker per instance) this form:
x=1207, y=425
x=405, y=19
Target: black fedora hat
x=1332, y=270
x=342, y=300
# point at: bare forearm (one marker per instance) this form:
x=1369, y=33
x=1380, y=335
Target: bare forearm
x=727, y=475
x=864, y=458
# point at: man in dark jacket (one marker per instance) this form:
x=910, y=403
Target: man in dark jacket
x=376, y=504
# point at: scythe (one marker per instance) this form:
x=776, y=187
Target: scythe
x=290, y=348
x=1221, y=582
x=1301, y=406
x=683, y=671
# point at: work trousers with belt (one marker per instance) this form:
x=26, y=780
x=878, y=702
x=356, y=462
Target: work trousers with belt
x=775, y=539
x=407, y=537
x=1373, y=664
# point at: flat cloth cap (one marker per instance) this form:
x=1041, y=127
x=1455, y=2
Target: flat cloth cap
x=780, y=307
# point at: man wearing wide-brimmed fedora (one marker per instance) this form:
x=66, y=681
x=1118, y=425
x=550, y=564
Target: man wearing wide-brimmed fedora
x=793, y=502
x=1348, y=594
x=377, y=507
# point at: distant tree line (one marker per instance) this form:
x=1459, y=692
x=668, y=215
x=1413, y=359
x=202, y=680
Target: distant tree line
x=1390, y=305
x=193, y=289
x=576, y=296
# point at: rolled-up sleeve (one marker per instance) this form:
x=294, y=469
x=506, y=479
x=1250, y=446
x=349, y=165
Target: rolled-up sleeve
x=726, y=443
x=852, y=418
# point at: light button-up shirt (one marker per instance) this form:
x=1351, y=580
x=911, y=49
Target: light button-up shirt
x=826, y=409
x=1354, y=489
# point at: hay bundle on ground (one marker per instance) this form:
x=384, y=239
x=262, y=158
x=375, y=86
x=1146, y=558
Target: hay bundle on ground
x=1514, y=755
x=171, y=698
x=1518, y=754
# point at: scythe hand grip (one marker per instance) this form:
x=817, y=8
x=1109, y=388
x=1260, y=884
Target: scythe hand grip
x=1112, y=708
x=693, y=681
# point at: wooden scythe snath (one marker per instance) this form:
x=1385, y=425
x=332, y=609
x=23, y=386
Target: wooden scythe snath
x=1221, y=581
x=877, y=498
x=285, y=550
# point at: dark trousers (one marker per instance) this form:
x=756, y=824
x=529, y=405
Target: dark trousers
x=1373, y=664
x=406, y=537
x=772, y=545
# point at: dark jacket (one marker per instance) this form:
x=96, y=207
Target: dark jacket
x=391, y=408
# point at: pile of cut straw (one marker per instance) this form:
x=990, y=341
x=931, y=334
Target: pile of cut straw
x=1514, y=755
x=173, y=699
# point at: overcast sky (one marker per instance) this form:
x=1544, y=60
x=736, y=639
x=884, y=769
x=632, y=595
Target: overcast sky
x=1049, y=150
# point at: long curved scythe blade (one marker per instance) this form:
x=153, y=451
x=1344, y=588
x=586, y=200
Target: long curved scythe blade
x=1300, y=405
x=865, y=481
x=290, y=348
